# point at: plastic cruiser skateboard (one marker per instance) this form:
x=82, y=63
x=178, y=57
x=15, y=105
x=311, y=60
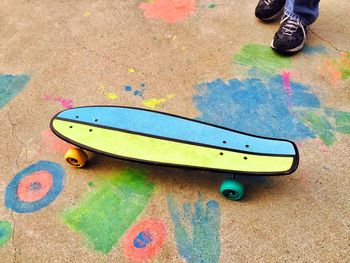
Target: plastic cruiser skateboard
x=160, y=138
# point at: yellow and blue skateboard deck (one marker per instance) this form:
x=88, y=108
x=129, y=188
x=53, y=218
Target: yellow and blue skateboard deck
x=161, y=138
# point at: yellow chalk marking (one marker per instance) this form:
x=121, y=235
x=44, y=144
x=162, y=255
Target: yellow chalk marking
x=154, y=103
x=112, y=96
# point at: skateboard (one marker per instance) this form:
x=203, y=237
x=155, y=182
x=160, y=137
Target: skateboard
x=147, y=136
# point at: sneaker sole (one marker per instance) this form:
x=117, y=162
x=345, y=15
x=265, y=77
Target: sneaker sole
x=292, y=50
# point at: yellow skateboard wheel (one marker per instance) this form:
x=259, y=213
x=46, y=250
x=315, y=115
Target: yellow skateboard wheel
x=76, y=157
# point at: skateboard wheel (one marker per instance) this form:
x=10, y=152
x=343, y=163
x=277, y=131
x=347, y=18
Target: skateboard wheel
x=232, y=189
x=76, y=157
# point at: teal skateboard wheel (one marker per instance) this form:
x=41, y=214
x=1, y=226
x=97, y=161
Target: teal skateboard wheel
x=232, y=189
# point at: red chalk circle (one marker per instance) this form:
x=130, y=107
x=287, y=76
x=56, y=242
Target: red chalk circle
x=144, y=239
x=34, y=186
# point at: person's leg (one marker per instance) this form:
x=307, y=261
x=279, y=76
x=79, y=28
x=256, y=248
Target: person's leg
x=298, y=15
x=305, y=10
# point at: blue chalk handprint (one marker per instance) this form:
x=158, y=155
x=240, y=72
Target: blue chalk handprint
x=197, y=230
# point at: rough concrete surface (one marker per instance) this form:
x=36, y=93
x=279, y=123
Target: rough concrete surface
x=208, y=60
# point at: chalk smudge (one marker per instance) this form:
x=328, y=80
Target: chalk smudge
x=66, y=103
x=53, y=144
x=197, y=233
x=286, y=86
x=262, y=57
x=326, y=122
x=253, y=106
x=303, y=178
x=112, y=96
x=137, y=92
x=106, y=94
x=332, y=73
x=154, y=103
x=318, y=49
x=322, y=146
x=339, y=68
x=127, y=88
x=342, y=120
x=144, y=240
x=264, y=108
x=10, y=86
x=110, y=208
x=35, y=187
x=170, y=11
x=5, y=232
x=286, y=82
x=321, y=126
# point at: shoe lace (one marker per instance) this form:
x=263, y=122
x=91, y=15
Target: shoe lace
x=268, y=2
x=292, y=26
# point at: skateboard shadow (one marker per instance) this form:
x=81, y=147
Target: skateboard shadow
x=179, y=180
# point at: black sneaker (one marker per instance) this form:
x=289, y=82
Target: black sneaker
x=290, y=37
x=269, y=10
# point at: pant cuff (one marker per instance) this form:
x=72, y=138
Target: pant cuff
x=291, y=14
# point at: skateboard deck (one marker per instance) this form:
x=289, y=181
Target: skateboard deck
x=161, y=138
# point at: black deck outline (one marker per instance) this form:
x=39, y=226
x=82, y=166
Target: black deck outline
x=293, y=168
